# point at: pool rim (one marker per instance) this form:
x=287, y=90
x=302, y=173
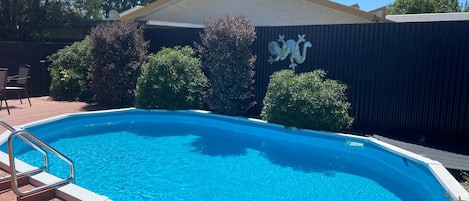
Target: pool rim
x=450, y=184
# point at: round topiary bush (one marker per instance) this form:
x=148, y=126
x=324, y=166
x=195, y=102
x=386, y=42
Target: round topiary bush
x=172, y=79
x=307, y=100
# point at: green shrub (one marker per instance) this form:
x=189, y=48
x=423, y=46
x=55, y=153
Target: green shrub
x=119, y=50
x=307, y=100
x=171, y=79
x=228, y=62
x=69, y=72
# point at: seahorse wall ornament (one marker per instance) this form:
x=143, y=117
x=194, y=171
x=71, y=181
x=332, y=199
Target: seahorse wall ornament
x=289, y=47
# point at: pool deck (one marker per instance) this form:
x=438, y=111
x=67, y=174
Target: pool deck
x=43, y=107
x=448, y=159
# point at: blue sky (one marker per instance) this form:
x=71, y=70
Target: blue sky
x=368, y=5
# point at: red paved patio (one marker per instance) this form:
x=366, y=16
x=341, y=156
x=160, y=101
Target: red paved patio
x=42, y=107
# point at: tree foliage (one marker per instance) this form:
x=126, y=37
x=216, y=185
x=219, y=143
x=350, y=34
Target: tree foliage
x=122, y=5
x=119, y=50
x=90, y=9
x=446, y=6
x=465, y=7
x=27, y=20
x=24, y=20
x=423, y=6
x=228, y=62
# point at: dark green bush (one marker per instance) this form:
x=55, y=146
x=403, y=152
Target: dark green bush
x=69, y=72
x=172, y=79
x=307, y=100
x=228, y=62
x=119, y=50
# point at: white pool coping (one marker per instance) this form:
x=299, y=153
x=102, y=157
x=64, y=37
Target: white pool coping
x=451, y=185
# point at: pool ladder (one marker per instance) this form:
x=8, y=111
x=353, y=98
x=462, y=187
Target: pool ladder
x=40, y=146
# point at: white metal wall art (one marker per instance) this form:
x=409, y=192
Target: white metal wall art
x=288, y=48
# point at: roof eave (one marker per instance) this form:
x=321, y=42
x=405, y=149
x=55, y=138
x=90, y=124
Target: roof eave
x=327, y=3
x=346, y=9
x=148, y=8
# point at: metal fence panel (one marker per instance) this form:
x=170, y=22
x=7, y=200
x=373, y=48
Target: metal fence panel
x=406, y=80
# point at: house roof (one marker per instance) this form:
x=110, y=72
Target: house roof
x=430, y=17
x=380, y=12
x=160, y=5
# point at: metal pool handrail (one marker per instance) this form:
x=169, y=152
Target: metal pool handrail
x=40, y=146
x=44, y=152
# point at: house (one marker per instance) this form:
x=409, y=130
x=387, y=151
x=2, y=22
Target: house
x=195, y=13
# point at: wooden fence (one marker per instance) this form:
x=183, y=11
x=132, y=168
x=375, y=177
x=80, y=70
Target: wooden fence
x=13, y=54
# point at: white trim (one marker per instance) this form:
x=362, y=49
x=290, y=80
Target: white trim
x=454, y=189
x=131, y=10
x=173, y=24
x=429, y=17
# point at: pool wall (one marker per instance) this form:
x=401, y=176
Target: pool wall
x=408, y=163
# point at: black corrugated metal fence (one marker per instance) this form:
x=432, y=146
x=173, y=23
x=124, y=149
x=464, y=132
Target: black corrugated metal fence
x=406, y=80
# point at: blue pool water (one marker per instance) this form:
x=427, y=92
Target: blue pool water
x=141, y=155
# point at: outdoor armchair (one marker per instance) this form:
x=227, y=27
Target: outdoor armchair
x=18, y=82
x=3, y=82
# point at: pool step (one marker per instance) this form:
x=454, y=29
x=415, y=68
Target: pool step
x=66, y=192
x=49, y=194
x=6, y=177
x=26, y=182
x=22, y=181
x=6, y=184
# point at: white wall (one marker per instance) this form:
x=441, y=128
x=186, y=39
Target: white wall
x=259, y=12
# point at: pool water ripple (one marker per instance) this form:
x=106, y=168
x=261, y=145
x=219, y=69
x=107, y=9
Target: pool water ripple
x=129, y=166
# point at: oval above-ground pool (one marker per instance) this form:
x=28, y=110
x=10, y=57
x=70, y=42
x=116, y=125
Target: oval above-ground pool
x=133, y=154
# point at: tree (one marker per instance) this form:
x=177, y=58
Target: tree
x=423, y=6
x=16, y=20
x=91, y=9
x=465, y=7
x=122, y=5
x=26, y=20
x=228, y=62
x=119, y=50
x=446, y=6
x=410, y=7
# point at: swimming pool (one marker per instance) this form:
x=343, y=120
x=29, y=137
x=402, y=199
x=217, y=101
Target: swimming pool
x=133, y=154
